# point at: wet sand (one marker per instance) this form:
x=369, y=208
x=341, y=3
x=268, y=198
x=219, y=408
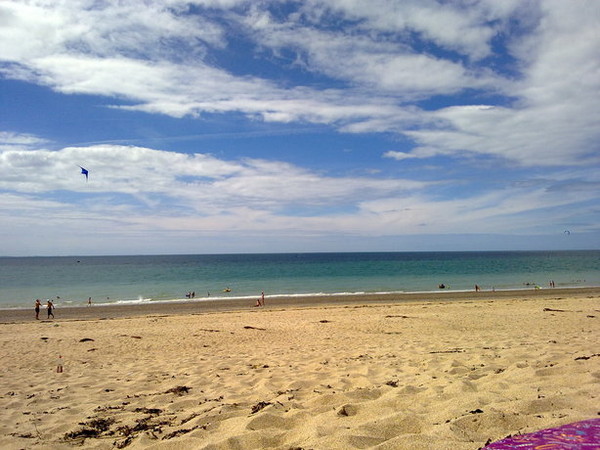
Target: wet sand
x=442, y=370
x=200, y=307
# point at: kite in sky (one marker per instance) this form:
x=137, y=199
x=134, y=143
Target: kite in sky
x=84, y=172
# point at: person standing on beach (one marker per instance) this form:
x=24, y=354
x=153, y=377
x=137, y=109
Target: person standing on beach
x=90, y=301
x=262, y=298
x=50, y=307
x=38, y=304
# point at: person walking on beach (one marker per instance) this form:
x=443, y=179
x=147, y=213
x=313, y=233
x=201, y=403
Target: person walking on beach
x=38, y=305
x=90, y=301
x=50, y=307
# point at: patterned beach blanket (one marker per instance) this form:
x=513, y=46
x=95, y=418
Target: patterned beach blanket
x=573, y=436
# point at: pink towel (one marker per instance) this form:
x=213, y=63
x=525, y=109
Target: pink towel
x=573, y=436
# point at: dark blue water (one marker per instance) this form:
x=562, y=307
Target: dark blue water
x=109, y=279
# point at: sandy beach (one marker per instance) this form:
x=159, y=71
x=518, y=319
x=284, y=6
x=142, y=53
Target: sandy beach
x=422, y=371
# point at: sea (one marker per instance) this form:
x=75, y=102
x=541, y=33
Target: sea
x=72, y=280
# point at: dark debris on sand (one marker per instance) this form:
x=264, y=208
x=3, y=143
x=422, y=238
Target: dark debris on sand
x=93, y=428
x=151, y=422
x=260, y=405
x=584, y=358
x=151, y=411
x=178, y=433
x=179, y=390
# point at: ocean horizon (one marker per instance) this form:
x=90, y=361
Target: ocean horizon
x=130, y=279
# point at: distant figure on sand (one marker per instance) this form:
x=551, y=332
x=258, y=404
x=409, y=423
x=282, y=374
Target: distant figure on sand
x=477, y=288
x=38, y=304
x=50, y=307
x=261, y=301
x=90, y=301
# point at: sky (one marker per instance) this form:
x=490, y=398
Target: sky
x=256, y=126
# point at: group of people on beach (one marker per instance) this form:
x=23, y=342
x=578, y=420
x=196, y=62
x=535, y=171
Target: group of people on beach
x=49, y=308
x=443, y=286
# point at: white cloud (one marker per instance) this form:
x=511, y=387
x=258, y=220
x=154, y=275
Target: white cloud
x=425, y=70
x=37, y=29
x=451, y=26
x=556, y=135
x=552, y=120
x=155, y=59
x=76, y=48
x=21, y=142
x=367, y=62
x=399, y=156
x=136, y=189
x=198, y=181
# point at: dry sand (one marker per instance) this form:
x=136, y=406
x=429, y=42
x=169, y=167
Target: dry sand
x=361, y=373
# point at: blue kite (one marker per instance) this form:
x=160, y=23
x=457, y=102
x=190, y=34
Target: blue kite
x=84, y=172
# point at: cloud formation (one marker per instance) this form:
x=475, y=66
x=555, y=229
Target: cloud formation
x=157, y=190
x=506, y=86
x=160, y=59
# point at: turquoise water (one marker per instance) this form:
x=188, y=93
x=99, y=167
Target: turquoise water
x=130, y=279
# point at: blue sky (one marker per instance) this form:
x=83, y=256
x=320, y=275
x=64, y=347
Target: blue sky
x=282, y=126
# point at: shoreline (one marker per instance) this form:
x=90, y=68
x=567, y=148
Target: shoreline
x=187, y=307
